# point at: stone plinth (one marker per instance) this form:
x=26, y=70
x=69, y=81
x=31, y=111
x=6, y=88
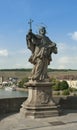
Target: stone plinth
x=39, y=103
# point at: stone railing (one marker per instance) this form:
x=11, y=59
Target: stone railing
x=11, y=105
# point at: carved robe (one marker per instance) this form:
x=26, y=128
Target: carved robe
x=42, y=48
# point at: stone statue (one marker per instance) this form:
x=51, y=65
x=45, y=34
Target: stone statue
x=40, y=103
x=42, y=48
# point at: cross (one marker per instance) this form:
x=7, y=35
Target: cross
x=30, y=23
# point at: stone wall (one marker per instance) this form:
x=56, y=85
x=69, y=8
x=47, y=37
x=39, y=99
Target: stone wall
x=66, y=102
x=11, y=105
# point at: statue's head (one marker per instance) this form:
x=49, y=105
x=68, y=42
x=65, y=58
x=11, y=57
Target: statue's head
x=42, y=31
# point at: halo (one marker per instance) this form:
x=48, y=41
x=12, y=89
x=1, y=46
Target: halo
x=43, y=25
x=39, y=26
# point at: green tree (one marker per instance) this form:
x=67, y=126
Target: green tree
x=56, y=85
x=64, y=85
x=21, y=83
x=66, y=92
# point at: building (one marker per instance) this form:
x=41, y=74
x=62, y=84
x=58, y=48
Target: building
x=1, y=80
x=72, y=83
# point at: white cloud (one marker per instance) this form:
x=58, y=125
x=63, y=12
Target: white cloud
x=73, y=35
x=67, y=62
x=64, y=60
x=23, y=65
x=4, y=52
x=22, y=51
x=66, y=57
x=62, y=46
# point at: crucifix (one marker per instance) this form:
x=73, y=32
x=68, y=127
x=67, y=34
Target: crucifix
x=30, y=23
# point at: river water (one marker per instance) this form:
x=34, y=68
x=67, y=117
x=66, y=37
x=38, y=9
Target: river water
x=12, y=94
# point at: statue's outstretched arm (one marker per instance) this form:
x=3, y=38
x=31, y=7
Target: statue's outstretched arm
x=31, y=41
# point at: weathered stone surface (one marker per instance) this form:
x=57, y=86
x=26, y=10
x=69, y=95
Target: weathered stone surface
x=42, y=48
x=39, y=103
x=11, y=105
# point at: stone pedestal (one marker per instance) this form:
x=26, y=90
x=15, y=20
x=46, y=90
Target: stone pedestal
x=39, y=103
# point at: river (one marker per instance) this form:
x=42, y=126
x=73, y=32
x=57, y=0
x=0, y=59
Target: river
x=12, y=94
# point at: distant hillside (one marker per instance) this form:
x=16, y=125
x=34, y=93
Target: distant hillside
x=16, y=69
x=14, y=74
x=21, y=73
x=29, y=69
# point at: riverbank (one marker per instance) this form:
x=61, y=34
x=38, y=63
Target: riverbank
x=0, y=86
x=21, y=89
x=17, y=88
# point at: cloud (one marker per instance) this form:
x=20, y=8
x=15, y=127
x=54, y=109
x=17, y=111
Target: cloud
x=62, y=46
x=64, y=60
x=22, y=51
x=66, y=57
x=66, y=53
x=23, y=65
x=4, y=52
x=67, y=61
x=73, y=35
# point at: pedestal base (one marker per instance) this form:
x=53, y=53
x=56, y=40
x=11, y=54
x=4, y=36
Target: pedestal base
x=39, y=103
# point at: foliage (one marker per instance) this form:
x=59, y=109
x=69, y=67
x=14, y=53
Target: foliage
x=53, y=80
x=66, y=92
x=72, y=89
x=49, y=70
x=21, y=83
x=22, y=69
x=57, y=93
x=56, y=86
x=59, y=85
x=64, y=85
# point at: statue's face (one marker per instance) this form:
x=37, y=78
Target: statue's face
x=42, y=31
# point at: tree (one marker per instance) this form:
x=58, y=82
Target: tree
x=66, y=92
x=64, y=85
x=21, y=83
x=56, y=85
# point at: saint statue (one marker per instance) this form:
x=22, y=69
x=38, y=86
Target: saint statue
x=42, y=48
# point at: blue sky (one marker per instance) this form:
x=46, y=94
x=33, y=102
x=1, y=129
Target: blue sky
x=60, y=19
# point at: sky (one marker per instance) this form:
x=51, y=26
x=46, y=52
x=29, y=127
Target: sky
x=58, y=16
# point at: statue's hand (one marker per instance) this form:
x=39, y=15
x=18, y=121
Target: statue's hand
x=29, y=36
x=55, y=51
